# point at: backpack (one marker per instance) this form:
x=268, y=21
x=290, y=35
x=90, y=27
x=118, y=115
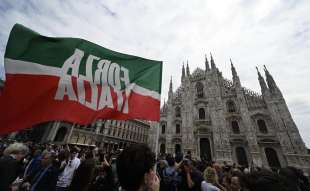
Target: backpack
x=170, y=180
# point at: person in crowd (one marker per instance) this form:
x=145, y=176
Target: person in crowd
x=169, y=179
x=10, y=164
x=190, y=177
x=62, y=159
x=265, y=180
x=219, y=172
x=44, y=179
x=161, y=165
x=226, y=181
x=104, y=179
x=210, y=182
x=84, y=174
x=235, y=184
x=34, y=163
x=135, y=169
x=65, y=178
x=296, y=178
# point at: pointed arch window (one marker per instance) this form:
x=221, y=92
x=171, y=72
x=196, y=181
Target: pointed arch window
x=262, y=126
x=235, y=127
x=163, y=129
x=202, y=113
x=178, y=112
x=199, y=90
x=163, y=148
x=241, y=156
x=177, y=128
x=272, y=158
x=231, y=107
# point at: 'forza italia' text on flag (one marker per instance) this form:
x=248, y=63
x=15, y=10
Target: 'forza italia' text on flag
x=70, y=79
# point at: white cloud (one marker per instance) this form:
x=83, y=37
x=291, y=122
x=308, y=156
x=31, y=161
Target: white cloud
x=253, y=33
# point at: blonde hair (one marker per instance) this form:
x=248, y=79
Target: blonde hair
x=16, y=148
x=210, y=175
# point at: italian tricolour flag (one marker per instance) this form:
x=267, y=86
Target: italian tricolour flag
x=70, y=79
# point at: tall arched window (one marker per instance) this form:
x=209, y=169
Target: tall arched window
x=272, y=158
x=262, y=126
x=60, y=135
x=178, y=112
x=162, y=148
x=202, y=114
x=199, y=89
x=231, y=107
x=177, y=128
x=163, y=129
x=235, y=127
x=241, y=156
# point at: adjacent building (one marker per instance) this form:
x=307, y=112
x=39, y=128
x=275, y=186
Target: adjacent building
x=111, y=134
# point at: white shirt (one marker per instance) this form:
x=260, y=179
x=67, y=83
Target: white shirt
x=65, y=178
x=205, y=186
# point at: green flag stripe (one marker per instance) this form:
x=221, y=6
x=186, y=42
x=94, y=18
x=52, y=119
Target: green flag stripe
x=27, y=45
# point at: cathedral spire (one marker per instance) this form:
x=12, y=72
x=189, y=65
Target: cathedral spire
x=235, y=76
x=183, y=72
x=170, y=93
x=187, y=69
x=212, y=62
x=170, y=85
x=270, y=81
x=262, y=82
x=233, y=70
x=207, y=63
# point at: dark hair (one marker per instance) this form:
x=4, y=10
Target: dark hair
x=132, y=164
x=295, y=178
x=266, y=180
x=170, y=160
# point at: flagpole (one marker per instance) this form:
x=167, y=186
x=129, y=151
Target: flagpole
x=156, y=142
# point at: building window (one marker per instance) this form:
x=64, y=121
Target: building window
x=177, y=129
x=272, y=158
x=231, y=107
x=60, y=135
x=262, y=126
x=235, y=127
x=162, y=148
x=199, y=89
x=202, y=114
x=178, y=112
x=163, y=129
x=241, y=156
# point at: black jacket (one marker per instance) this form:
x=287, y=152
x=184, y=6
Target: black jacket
x=9, y=168
x=48, y=180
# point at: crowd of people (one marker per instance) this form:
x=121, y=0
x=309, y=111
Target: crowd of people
x=47, y=167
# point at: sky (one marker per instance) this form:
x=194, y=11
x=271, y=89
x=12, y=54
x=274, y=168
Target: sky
x=275, y=33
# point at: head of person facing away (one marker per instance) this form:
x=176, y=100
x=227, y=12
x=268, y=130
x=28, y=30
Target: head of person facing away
x=135, y=166
x=18, y=150
x=47, y=158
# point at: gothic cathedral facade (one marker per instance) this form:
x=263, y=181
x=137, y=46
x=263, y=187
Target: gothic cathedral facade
x=216, y=119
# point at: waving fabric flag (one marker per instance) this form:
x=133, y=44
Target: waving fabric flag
x=70, y=79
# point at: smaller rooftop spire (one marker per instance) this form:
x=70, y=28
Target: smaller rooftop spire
x=270, y=81
x=187, y=69
x=170, y=85
x=233, y=69
x=212, y=62
x=262, y=82
x=183, y=71
x=207, y=63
